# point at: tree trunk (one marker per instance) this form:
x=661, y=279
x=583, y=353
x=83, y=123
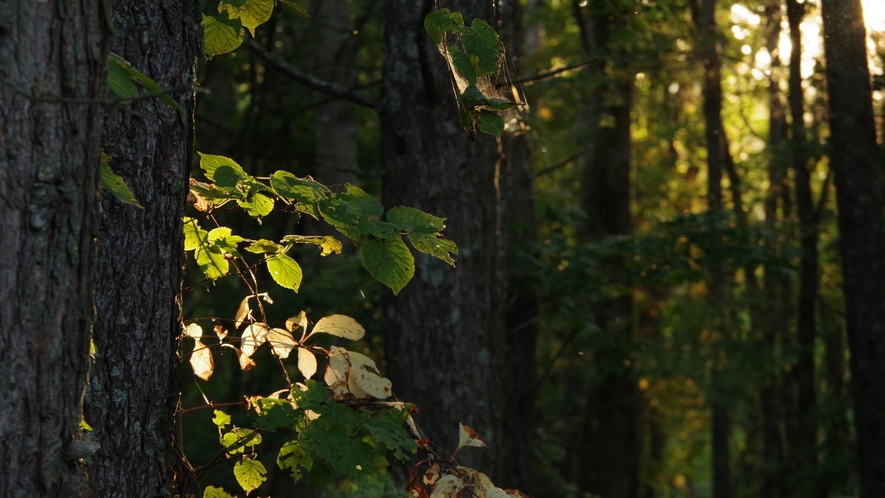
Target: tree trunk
x=860, y=200
x=773, y=315
x=805, y=446
x=132, y=394
x=716, y=145
x=49, y=176
x=447, y=321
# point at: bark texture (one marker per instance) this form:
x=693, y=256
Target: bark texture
x=447, y=323
x=860, y=200
x=132, y=394
x=49, y=170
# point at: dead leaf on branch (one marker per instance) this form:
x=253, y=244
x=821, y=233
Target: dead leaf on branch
x=340, y=326
x=469, y=437
x=201, y=360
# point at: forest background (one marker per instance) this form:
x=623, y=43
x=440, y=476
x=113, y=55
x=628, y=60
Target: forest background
x=648, y=297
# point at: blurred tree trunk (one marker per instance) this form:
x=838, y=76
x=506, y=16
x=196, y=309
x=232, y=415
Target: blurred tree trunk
x=447, y=321
x=609, y=448
x=49, y=177
x=704, y=13
x=517, y=221
x=860, y=199
x=336, y=127
x=775, y=316
x=804, y=445
x=132, y=393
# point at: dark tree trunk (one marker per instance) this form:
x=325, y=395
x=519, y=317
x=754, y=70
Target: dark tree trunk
x=773, y=315
x=444, y=332
x=717, y=152
x=804, y=447
x=132, y=394
x=609, y=445
x=49, y=170
x=517, y=220
x=860, y=200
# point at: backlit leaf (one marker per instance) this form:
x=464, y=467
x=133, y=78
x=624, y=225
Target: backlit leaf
x=435, y=245
x=245, y=361
x=252, y=13
x=285, y=271
x=211, y=163
x=134, y=75
x=463, y=65
x=221, y=419
x=340, y=326
x=193, y=331
x=253, y=337
x=213, y=492
x=368, y=377
x=389, y=261
x=482, y=41
x=307, y=363
x=250, y=474
x=243, y=312
x=119, y=82
x=469, y=437
x=194, y=236
x=449, y=486
x=264, y=246
x=281, y=342
x=221, y=35
x=258, y=206
x=201, y=361
x=440, y=22
x=491, y=123
x=299, y=320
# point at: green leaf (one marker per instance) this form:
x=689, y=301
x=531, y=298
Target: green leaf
x=285, y=271
x=258, y=206
x=292, y=455
x=332, y=442
x=440, y=22
x=482, y=41
x=346, y=216
x=389, y=261
x=221, y=419
x=252, y=13
x=250, y=474
x=221, y=35
x=212, y=261
x=297, y=8
x=142, y=79
x=386, y=427
x=491, y=123
x=213, y=492
x=119, y=82
x=264, y=246
x=229, y=169
x=114, y=184
x=473, y=97
x=238, y=438
x=501, y=104
x=367, y=204
x=194, y=236
x=384, y=230
x=415, y=220
x=434, y=245
x=327, y=243
x=463, y=65
x=275, y=413
x=84, y=426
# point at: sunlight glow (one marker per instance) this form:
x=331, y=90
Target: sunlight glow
x=874, y=15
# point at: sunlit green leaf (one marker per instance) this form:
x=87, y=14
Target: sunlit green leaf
x=252, y=13
x=264, y=246
x=121, y=65
x=415, y=220
x=213, y=492
x=194, y=236
x=258, y=206
x=297, y=8
x=221, y=419
x=221, y=35
x=292, y=455
x=250, y=474
x=116, y=185
x=238, y=438
x=285, y=271
x=482, y=41
x=211, y=164
x=389, y=261
x=440, y=22
x=434, y=245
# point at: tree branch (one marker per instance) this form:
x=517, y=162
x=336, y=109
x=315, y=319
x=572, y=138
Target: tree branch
x=310, y=81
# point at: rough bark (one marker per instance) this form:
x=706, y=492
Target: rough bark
x=132, y=394
x=804, y=447
x=860, y=199
x=49, y=170
x=447, y=321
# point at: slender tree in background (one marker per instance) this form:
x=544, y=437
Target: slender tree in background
x=775, y=318
x=704, y=13
x=860, y=199
x=132, y=393
x=52, y=55
x=803, y=444
x=608, y=451
x=446, y=322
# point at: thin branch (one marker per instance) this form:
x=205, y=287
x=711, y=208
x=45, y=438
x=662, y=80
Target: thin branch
x=550, y=74
x=310, y=81
x=560, y=164
x=114, y=101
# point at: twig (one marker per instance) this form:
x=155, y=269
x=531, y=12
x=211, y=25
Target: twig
x=310, y=81
x=550, y=74
x=114, y=101
x=560, y=164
